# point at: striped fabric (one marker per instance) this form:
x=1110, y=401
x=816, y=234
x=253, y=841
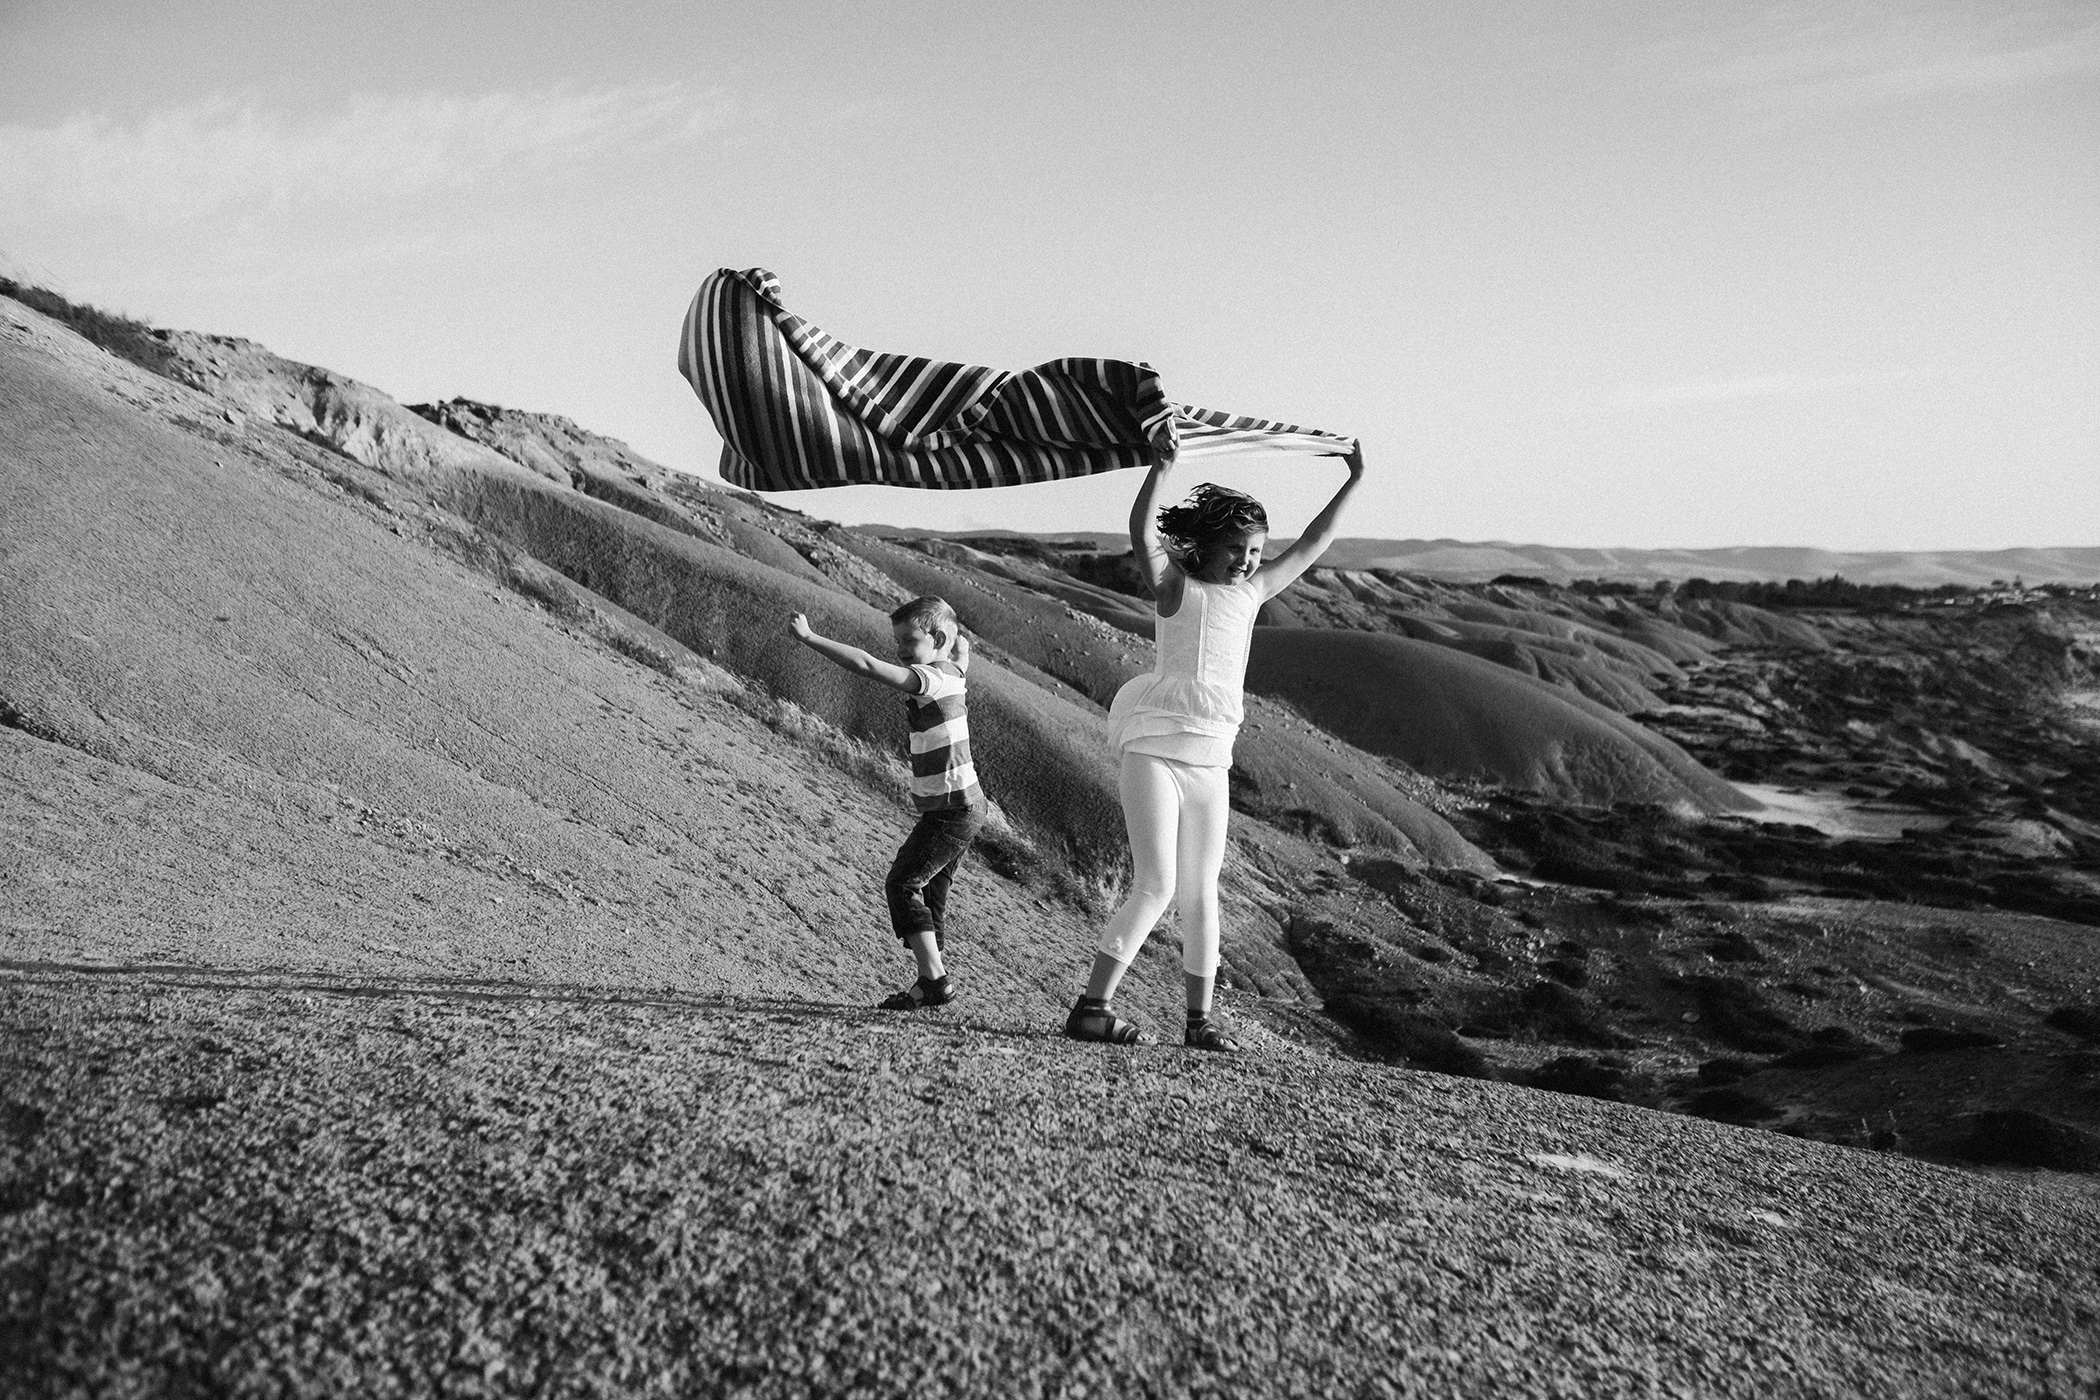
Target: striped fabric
x=798, y=408
x=942, y=774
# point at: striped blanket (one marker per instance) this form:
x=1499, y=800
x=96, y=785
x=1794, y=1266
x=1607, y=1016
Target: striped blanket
x=798, y=408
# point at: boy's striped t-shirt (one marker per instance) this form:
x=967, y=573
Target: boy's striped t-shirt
x=942, y=774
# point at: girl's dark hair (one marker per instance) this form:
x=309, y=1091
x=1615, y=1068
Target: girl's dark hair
x=1210, y=513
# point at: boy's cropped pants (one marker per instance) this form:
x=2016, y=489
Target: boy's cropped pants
x=925, y=867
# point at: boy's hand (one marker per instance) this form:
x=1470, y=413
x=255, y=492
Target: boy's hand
x=799, y=625
x=1355, y=459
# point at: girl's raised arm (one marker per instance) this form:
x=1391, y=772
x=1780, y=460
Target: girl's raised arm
x=1161, y=574
x=1282, y=571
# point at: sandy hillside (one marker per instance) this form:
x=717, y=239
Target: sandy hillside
x=441, y=925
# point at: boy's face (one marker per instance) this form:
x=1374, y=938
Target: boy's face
x=918, y=647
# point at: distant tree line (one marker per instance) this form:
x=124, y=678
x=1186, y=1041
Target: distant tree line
x=1837, y=591
x=1833, y=592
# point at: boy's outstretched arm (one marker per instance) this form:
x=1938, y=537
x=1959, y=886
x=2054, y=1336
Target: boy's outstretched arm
x=1282, y=571
x=853, y=659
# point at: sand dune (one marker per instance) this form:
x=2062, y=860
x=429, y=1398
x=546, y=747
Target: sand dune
x=429, y=859
x=1458, y=716
x=683, y=579
x=433, y=763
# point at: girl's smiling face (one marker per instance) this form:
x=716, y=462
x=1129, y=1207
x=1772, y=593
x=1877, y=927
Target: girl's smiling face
x=1230, y=558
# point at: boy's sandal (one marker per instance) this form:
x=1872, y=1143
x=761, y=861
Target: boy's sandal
x=1209, y=1035
x=1101, y=1024
x=920, y=995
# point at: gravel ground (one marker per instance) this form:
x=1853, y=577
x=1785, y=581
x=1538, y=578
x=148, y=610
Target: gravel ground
x=249, y=1184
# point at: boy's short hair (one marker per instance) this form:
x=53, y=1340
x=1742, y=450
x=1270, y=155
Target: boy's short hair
x=926, y=614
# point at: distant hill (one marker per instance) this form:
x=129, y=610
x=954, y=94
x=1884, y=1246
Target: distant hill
x=443, y=922
x=1454, y=559
x=1464, y=561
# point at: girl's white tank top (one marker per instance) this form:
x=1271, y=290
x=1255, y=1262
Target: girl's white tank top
x=1188, y=707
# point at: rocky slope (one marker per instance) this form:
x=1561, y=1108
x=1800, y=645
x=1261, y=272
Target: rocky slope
x=442, y=912
x=1925, y=750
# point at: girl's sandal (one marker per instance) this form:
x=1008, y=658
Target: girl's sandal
x=1209, y=1035
x=1096, y=1021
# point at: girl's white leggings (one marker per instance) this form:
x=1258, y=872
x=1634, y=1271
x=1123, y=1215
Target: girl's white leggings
x=1175, y=814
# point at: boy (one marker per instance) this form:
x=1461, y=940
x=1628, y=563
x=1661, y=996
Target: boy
x=944, y=787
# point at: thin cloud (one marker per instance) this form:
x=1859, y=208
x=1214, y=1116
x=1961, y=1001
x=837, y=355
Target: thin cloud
x=226, y=157
x=1693, y=393
x=1823, y=57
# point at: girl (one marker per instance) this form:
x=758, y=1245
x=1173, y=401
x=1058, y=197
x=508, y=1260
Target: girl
x=1174, y=729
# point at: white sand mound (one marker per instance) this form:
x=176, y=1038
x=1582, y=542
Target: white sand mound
x=1740, y=624
x=1285, y=773
x=294, y=657
x=1454, y=715
x=297, y=735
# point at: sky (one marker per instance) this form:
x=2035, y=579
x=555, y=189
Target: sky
x=1577, y=272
